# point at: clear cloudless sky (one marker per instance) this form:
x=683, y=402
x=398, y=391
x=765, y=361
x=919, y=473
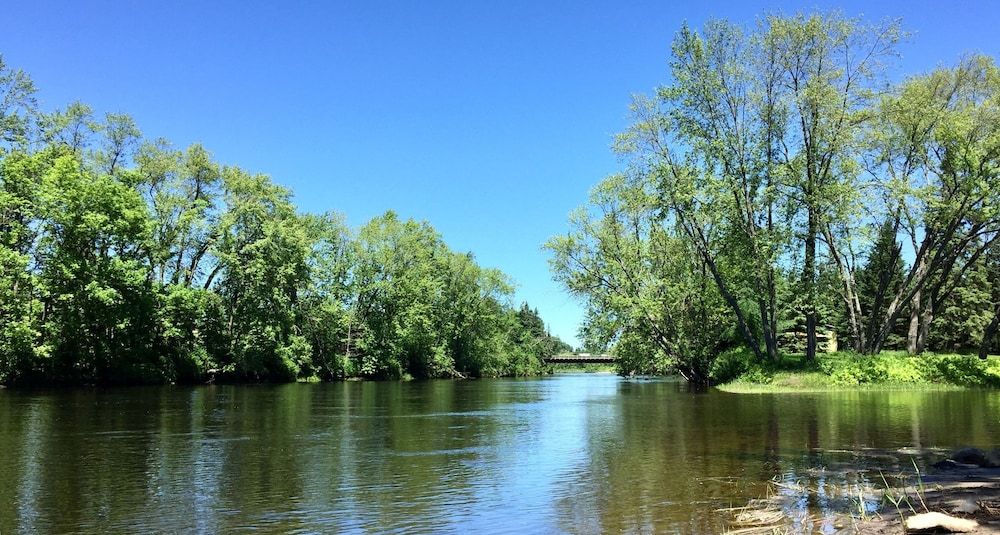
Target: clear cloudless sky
x=491, y=120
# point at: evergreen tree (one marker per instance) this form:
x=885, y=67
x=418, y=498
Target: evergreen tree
x=880, y=278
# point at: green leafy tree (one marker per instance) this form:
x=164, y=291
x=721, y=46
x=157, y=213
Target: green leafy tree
x=641, y=280
x=828, y=69
x=752, y=140
x=98, y=299
x=18, y=107
x=327, y=304
x=126, y=260
x=19, y=314
x=989, y=339
x=261, y=267
x=934, y=153
x=397, y=285
x=19, y=178
x=184, y=191
x=962, y=317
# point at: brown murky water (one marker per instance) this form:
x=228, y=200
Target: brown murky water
x=569, y=453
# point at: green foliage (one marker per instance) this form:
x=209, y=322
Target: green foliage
x=98, y=300
x=128, y=261
x=18, y=106
x=191, y=332
x=846, y=370
x=880, y=278
x=962, y=317
x=966, y=370
x=19, y=323
x=262, y=264
x=738, y=364
x=771, y=193
x=635, y=355
x=649, y=295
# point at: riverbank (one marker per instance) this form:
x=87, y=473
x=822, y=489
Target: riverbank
x=737, y=373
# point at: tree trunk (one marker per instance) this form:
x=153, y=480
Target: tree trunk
x=767, y=321
x=989, y=333
x=851, y=301
x=913, y=333
x=926, y=317
x=809, y=278
x=771, y=344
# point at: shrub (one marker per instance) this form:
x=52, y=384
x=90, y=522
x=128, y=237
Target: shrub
x=735, y=364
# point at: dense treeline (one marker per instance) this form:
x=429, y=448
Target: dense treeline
x=780, y=190
x=126, y=260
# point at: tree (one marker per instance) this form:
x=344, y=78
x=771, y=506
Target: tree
x=962, y=317
x=19, y=176
x=992, y=262
x=472, y=317
x=642, y=281
x=262, y=265
x=327, y=304
x=397, y=286
x=124, y=260
x=183, y=191
x=828, y=70
x=18, y=107
x=98, y=300
x=881, y=276
x=934, y=156
x=755, y=126
x=531, y=322
x=709, y=140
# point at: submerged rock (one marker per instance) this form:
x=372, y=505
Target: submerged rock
x=993, y=459
x=936, y=522
x=974, y=456
x=949, y=464
x=970, y=458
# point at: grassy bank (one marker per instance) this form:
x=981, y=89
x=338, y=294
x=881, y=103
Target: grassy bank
x=736, y=371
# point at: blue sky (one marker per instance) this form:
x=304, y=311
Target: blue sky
x=491, y=120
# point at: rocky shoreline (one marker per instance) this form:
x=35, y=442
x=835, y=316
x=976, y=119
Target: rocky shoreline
x=954, y=498
x=959, y=494
x=962, y=495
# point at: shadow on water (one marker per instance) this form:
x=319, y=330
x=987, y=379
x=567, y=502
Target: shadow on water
x=573, y=453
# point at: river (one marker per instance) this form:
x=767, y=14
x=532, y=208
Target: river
x=584, y=453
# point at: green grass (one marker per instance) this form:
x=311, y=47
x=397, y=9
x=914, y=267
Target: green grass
x=736, y=371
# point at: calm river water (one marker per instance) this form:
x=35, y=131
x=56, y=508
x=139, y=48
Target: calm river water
x=568, y=453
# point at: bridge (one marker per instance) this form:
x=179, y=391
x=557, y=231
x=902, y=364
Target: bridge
x=579, y=358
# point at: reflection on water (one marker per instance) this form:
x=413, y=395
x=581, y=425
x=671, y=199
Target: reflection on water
x=571, y=453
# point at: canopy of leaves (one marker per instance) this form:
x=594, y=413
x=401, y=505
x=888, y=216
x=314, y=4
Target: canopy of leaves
x=125, y=260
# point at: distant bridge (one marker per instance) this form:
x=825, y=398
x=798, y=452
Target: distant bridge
x=580, y=358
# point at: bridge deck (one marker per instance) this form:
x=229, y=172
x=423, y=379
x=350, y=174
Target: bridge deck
x=580, y=359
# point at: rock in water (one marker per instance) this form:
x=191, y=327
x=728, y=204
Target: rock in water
x=993, y=459
x=949, y=464
x=934, y=522
x=970, y=456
